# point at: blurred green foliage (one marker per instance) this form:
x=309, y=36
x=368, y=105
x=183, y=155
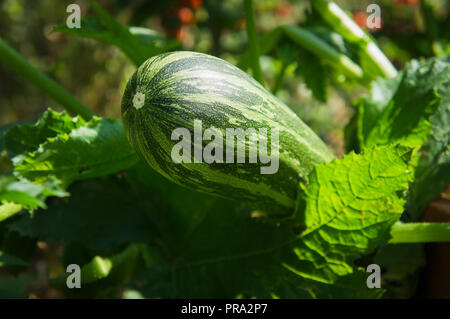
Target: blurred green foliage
x=95, y=73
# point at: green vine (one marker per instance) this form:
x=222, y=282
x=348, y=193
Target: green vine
x=43, y=82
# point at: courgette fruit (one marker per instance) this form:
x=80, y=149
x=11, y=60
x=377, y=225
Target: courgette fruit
x=174, y=90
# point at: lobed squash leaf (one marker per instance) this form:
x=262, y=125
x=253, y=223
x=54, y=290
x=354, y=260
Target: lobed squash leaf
x=102, y=214
x=413, y=109
x=198, y=245
x=97, y=148
x=347, y=210
x=223, y=252
x=397, y=111
x=433, y=168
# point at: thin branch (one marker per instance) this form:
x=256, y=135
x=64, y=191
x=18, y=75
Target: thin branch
x=253, y=43
x=420, y=233
x=343, y=24
x=43, y=82
x=314, y=44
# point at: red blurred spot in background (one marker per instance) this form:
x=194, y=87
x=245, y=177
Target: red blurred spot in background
x=409, y=2
x=360, y=19
x=194, y=4
x=284, y=9
x=186, y=16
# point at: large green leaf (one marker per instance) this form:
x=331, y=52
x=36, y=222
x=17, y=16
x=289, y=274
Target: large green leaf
x=103, y=214
x=348, y=209
x=223, y=251
x=433, y=169
x=95, y=149
x=397, y=111
x=204, y=246
x=405, y=110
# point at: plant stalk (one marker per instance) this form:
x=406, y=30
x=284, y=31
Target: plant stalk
x=311, y=42
x=343, y=24
x=253, y=43
x=432, y=28
x=13, y=59
x=280, y=77
x=420, y=233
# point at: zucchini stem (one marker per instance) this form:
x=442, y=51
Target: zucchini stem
x=312, y=43
x=343, y=24
x=280, y=77
x=420, y=233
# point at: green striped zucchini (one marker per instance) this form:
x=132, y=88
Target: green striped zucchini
x=174, y=89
